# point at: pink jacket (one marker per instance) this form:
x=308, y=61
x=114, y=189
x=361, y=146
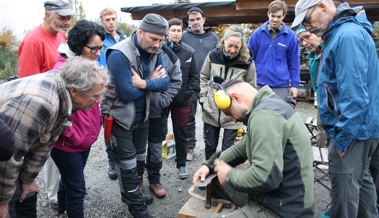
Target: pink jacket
x=85, y=127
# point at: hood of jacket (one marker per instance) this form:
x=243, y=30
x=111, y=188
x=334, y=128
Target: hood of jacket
x=346, y=14
x=208, y=31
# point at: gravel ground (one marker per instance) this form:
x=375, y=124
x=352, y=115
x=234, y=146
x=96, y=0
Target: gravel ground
x=103, y=198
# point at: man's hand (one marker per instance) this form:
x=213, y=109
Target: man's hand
x=158, y=73
x=4, y=210
x=27, y=189
x=201, y=174
x=222, y=170
x=341, y=154
x=137, y=81
x=293, y=91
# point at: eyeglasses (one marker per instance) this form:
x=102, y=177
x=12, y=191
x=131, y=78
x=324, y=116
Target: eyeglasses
x=306, y=21
x=94, y=49
x=305, y=38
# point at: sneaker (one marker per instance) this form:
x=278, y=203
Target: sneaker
x=327, y=213
x=190, y=154
x=63, y=215
x=53, y=206
x=158, y=190
x=182, y=173
x=112, y=173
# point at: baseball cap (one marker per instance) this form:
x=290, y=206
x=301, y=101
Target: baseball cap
x=63, y=8
x=301, y=10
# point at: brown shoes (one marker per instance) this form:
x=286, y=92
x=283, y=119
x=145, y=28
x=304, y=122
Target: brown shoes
x=158, y=190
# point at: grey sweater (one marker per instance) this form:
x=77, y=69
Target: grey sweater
x=202, y=43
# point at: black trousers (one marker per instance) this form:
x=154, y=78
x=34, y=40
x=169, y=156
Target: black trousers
x=211, y=135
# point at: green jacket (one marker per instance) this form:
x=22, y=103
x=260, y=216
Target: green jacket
x=277, y=146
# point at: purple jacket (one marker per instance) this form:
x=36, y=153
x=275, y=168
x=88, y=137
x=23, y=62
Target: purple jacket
x=85, y=127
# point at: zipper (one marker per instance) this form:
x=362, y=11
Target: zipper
x=331, y=102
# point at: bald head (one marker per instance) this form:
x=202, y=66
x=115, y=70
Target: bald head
x=242, y=95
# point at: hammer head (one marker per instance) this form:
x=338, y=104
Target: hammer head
x=225, y=203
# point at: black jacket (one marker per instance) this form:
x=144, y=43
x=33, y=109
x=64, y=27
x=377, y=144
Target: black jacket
x=190, y=75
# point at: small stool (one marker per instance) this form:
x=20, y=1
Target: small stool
x=311, y=124
x=321, y=165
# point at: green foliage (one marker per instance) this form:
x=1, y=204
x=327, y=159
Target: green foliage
x=8, y=54
x=8, y=63
x=127, y=28
x=375, y=36
x=79, y=11
x=248, y=28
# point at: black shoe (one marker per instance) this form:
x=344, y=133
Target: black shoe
x=112, y=173
x=144, y=216
x=148, y=199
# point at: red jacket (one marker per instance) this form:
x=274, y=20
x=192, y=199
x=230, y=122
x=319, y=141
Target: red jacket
x=85, y=127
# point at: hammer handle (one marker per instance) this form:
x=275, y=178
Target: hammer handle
x=218, y=208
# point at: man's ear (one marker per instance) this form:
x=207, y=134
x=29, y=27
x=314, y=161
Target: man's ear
x=323, y=6
x=284, y=15
x=205, y=19
x=235, y=96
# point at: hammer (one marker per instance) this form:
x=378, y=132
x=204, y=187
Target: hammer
x=220, y=203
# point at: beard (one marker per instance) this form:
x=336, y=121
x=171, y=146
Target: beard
x=322, y=26
x=62, y=28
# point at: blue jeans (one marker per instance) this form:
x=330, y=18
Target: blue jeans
x=129, y=153
x=72, y=187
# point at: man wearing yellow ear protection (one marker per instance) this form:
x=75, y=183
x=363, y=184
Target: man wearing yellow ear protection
x=279, y=180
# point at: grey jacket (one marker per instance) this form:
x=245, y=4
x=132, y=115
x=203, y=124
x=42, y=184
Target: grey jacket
x=161, y=100
x=124, y=113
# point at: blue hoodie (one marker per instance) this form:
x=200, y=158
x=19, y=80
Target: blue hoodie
x=348, y=97
x=277, y=62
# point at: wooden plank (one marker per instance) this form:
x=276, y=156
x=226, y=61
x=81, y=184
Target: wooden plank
x=316, y=154
x=314, y=123
x=324, y=155
x=308, y=121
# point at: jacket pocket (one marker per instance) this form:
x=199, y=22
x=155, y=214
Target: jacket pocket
x=331, y=102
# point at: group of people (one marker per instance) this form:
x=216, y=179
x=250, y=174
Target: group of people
x=52, y=118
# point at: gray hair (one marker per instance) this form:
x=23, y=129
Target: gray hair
x=51, y=14
x=83, y=74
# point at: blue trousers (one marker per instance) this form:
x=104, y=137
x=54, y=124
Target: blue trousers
x=72, y=187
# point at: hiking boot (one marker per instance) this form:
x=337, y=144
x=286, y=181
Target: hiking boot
x=148, y=199
x=112, y=173
x=190, y=154
x=158, y=190
x=182, y=173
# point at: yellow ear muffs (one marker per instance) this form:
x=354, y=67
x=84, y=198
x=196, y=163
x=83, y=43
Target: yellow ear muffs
x=222, y=99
